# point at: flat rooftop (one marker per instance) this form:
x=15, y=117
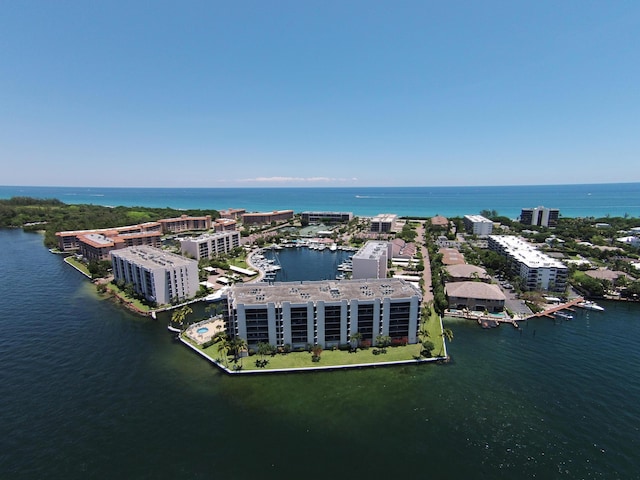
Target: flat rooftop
x=328, y=291
x=151, y=257
x=526, y=253
x=372, y=249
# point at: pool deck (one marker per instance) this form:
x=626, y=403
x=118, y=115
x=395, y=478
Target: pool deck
x=214, y=325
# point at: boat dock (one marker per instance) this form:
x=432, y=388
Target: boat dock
x=549, y=312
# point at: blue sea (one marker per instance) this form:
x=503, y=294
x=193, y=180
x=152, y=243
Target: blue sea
x=594, y=200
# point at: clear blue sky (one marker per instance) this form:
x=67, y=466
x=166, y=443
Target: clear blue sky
x=319, y=93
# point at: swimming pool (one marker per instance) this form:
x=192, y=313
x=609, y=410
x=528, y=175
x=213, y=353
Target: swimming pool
x=202, y=330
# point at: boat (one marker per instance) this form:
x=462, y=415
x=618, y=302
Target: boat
x=173, y=329
x=563, y=315
x=333, y=247
x=589, y=305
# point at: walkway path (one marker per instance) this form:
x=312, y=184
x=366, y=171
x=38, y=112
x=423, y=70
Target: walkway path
x=426, y=273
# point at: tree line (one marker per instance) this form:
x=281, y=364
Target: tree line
x=52, y=215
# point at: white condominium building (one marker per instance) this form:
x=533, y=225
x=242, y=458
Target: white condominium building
x=478, y=225
x=159, y=276
x=327, y=313
x=384, y=222
x=210, y=245
x=537, y=270
x=371, y=260
x=546, y=217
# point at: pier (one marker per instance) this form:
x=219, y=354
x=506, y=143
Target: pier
x=557, y=308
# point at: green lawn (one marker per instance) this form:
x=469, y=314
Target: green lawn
x=123, y=296
x=331, y=358
x=78, y=264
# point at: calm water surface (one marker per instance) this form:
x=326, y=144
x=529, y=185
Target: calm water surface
x=91, y=391
x=597, y=200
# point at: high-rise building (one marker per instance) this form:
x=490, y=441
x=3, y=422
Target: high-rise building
x=157, y=275
x=545, y=217
x=326, y=313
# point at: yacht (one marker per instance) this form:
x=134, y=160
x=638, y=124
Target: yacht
x=589, y=305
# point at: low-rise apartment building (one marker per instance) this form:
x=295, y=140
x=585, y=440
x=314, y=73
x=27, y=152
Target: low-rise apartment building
x=232, y=213
x=326, y=217
x=210, y=245
x=69, y=241
x=185, y=223
x=265, y=218
x=97, y=246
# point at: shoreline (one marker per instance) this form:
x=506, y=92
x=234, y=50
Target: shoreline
x=246, y=371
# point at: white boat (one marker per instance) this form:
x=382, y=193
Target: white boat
x=563, y=315
x=333, y=247
x=589, y=305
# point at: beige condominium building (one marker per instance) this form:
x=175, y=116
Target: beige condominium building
x=210, y=245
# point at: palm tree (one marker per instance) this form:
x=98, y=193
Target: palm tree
x=224, y=347
x=237, y=345
x=448, y=334
x=179, y=316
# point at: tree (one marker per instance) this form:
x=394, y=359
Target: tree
x=427, y=348
x=265, y=349
x=179, y=316
x=238, y=344
x=448, y=334
x=383, y=341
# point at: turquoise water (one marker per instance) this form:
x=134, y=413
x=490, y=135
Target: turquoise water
x=91, y=391
x=572, y=200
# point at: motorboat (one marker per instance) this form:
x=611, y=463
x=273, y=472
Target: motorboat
x=589, y=305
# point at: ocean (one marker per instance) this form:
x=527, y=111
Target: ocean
x=594, y=200
x=90, y=390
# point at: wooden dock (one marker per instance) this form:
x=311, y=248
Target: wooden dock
x=563, y=306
